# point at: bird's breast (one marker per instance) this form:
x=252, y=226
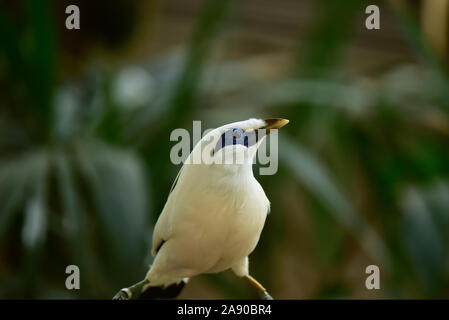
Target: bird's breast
x=213, y=219
x=227, y=218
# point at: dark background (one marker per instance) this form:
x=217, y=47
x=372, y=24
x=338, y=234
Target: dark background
x=85, y=119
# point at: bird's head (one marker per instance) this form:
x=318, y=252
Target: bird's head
x=237, y=142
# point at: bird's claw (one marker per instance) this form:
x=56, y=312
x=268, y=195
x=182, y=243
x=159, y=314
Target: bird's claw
x=123, y=294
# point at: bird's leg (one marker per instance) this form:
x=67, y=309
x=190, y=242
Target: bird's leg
x=127, y=293
x=256, y=284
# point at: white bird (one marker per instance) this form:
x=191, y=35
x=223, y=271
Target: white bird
x=214, y=214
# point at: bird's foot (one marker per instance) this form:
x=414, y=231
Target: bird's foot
x=124, y=294
x=266, y=296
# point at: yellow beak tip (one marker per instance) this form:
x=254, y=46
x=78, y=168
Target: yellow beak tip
x=275, y=123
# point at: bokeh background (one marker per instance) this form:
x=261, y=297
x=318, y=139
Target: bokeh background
x=85, y=119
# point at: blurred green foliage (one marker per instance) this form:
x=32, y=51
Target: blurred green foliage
x=85, y=168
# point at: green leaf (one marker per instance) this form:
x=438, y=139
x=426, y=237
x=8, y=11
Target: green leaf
x=36, y=214
x=437, y=197
x=354, y=98
x=185, y=75
x=15, y=177
x=204, y=36
x=72, y=208
x=422, y=240
x=326, y=39
x=329, y=240
x=424, y=52
x=311, y=173
x=120, y=195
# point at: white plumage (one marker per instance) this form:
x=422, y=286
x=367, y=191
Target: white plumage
x=213, y=218
x=215, y=213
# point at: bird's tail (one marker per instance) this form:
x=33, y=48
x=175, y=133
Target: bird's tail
x=163, y=292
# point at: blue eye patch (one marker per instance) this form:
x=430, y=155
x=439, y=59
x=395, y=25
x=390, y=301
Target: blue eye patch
x=236, y=136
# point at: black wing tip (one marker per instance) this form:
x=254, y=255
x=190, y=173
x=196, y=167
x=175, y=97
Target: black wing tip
x=169, y=292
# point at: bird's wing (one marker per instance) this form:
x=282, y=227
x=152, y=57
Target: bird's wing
x=176, y=180
x=159, y=233
x=161, y=229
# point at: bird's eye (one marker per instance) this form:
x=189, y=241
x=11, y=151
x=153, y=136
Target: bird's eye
x=234, y=136
x=236, y=133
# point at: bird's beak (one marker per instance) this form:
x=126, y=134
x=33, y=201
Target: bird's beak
x=275, y=123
